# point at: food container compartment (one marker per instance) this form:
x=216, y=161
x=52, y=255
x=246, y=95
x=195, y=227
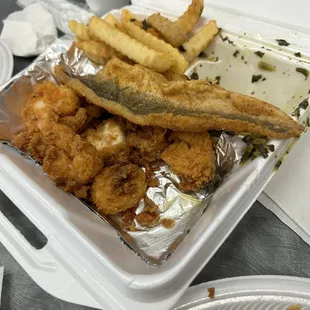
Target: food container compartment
x=84, y=260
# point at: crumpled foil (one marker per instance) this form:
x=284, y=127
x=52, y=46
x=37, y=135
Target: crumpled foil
x=153, y=244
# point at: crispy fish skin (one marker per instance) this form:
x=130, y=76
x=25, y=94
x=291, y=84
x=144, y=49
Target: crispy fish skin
x=147, y=98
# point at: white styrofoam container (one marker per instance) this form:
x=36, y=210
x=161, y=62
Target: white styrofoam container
x=84, y=260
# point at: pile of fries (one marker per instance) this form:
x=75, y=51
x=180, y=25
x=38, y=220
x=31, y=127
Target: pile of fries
x=156, y=42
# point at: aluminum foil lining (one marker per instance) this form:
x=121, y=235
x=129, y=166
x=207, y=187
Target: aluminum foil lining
x=153, y=244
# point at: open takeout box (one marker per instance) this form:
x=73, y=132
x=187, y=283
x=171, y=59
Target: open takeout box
x=84, y=260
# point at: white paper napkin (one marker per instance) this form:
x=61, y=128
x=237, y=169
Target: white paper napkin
x=29, y=32
x=63, y=11
x=288, y=192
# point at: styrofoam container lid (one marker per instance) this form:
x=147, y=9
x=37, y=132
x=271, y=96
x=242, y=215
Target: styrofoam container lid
x=6, y=62
x=251, y=293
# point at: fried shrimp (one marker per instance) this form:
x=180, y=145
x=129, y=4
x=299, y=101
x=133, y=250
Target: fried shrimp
x=118, y=188
x=70, y=161
x=192, y=158
x=108, y=137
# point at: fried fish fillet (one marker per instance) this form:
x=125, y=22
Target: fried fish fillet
x=147, y=98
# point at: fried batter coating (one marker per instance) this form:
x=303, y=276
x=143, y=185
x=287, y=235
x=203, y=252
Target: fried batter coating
x=70, y=161
x=149, y=217
x=62, y=99
x=147, y=98
x=77, y=121
x=108, y=137
x=118, y=188
x=192, y=158
x=84, y=160
x=148, y=141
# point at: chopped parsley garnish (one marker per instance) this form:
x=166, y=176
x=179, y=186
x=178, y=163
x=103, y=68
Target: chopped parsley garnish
x=278, y=164
x=145, y=24
x=236, y=53
x=297, y=54
x=259, y=54
x=256, y=147
x=194, y=76
x=303, y=71
x=303, y=105
x=256, y=78
x=282, y=42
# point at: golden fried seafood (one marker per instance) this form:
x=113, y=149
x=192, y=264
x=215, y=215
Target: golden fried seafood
x=118, y=188
x=148, y=141
x=77, y=121
x=146, y=98
x=191, y=157
x=108, y=137
x=69, y=160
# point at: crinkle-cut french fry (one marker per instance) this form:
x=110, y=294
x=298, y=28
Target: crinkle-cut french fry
x=200, y=41
x=128, y=46
x=170, y=31
x=179, y=63
x=80, y=30
x=154, y=32
x=113, y=21
x=98, y=52
x=191, y=16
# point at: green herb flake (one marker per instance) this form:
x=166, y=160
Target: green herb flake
x=308, y=122
x=297, y=54
x=202, y=55
x=259, y=54
x=256, y=78
x=266, y=67
x=227, y=39
x=296, y=112
x=303, y=71
x=282, y=42
x=304, y=104
x=218, y=80
x=145, y=24
x=256, y=147
x=194, y=76
x=133, y=20
x=278, y=164
x=236, y=53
